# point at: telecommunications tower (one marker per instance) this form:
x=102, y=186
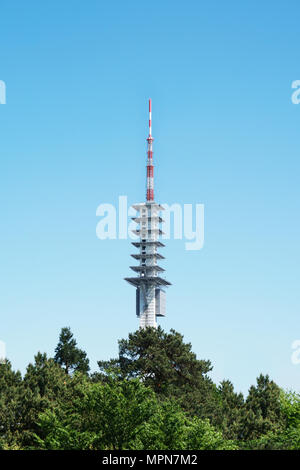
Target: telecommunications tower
x=150, y=296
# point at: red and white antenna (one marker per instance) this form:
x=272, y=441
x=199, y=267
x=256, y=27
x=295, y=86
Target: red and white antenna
x=150, y=174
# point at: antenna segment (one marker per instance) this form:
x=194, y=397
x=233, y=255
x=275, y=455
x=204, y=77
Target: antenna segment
x=150, y=167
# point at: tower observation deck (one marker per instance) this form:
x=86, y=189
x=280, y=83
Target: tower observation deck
x=149, y=281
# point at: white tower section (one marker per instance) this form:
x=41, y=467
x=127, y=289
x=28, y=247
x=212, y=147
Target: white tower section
x=150, y=297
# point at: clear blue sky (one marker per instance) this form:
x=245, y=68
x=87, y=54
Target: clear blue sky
x=72, y=136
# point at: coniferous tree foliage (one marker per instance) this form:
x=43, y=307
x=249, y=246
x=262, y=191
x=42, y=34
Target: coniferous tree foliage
x=229, y=419
x=156, y=395
x=11, y=391
x=166, y=364
x=262, y=412
x=44, y=387
x=68, y=355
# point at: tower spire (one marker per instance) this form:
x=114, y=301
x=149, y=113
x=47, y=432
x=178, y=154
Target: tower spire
x=150, y=168
x=149, y=283
x=150, y=126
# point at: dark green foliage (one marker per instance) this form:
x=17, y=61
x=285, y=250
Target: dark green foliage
x=68, y=355
x=11, y=391
x=287, y=436
x=229, y=418
x=155, y=395
x=167, y=365
x=44, y=388
x=262, y=412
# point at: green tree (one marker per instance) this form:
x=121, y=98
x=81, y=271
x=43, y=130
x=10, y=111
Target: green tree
x=123, y=414
x=171, y=429
x=229, y=420
x=11, y=390
x=290, y=406
x=289, y=437
x=101, y=416
x=68, y=355
x=165, y=363
x=201, y=435
x=155, y=395
x=45, y=387
x=165, y=430
x=262, y=412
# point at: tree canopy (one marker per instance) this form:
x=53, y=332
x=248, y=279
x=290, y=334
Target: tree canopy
x=166, y=364
x=68, y=355
x=155, y=395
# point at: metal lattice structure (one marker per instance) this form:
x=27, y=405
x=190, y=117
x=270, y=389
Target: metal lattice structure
x=149, y=283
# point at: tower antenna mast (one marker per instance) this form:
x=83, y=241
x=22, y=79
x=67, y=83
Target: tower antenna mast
x=150, y=296
x=150, y=167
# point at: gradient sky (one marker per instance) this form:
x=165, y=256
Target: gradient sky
x=72, y=136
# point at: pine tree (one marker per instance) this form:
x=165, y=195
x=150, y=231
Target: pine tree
x=262, y=412
x=11, y=389
x=165, y=363
x=68, y=355
x=44, y=386
x=232, y=404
